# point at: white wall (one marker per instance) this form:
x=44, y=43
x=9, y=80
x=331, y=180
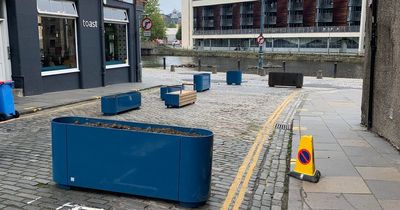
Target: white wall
x=5, y=69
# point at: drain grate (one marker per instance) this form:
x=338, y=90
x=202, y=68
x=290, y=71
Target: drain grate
x=283, y=126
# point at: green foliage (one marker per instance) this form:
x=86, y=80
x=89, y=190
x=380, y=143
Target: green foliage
x=171, y=25
x=152, y=11
x=178, y=35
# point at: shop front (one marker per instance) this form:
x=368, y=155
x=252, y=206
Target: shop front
x=62, y=44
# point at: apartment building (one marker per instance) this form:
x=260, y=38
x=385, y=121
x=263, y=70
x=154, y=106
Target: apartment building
x=314, y=26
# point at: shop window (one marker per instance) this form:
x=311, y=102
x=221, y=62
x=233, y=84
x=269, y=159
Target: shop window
x=116, y=37
x=58, y=48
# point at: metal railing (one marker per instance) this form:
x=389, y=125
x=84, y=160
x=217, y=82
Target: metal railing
x=321, y=29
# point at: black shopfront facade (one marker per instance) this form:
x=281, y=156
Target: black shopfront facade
x=58, y=45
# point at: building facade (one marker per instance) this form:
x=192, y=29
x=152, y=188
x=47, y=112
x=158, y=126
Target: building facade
x=381, y=86
x=55, y=45
x=325, y=26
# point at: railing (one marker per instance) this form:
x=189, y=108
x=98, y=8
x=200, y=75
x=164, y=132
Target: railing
x=270, y=20
x=271, y=7
x=325, y=4
x=296, y=19
x=324, y=17
x=354, y=16
x=355, y=3
x=293, y=6
x=321, y=29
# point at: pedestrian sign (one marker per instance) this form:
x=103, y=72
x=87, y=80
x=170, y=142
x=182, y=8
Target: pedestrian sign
x=305, y=163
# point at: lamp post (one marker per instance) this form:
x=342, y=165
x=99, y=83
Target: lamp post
x=261, y=52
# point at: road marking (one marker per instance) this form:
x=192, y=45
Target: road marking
x=252, y=156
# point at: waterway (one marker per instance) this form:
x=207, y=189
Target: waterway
x=308, y=68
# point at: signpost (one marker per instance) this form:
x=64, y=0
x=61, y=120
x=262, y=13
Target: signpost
x=147, y=24
x=261, y=52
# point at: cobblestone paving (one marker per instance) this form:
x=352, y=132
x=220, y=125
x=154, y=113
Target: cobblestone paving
x=234, y=113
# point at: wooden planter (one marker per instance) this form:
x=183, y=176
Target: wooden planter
x=179, y=99
x=157, y=165
x=167, y=89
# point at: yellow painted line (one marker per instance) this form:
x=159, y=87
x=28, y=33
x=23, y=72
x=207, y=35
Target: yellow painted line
x=259, y=138
x=268, y=131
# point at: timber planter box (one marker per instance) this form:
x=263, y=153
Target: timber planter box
x=202, y=82
x=179, y=99
x=285, y=79
x=115, y=104
x=234, y=77
x=158, y=161
x=167, y=89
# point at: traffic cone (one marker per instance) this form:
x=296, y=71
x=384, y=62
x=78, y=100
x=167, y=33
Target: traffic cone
x=305, y=163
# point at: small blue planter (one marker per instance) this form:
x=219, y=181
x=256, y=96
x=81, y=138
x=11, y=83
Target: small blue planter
x=167, y=89
x=115, y=104
x=7, y=108
x=165, y=166
x=234, y=77
x=202, y=82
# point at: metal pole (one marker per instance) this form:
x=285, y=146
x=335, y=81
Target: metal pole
x=238, y=64
x=261, y=52
x=284, y=66
x=165, y=63
x=335, y=70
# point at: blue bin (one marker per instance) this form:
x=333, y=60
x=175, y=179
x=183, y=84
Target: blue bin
x=115, y=104
x=166, y=166
x=234, y=77
x=7, y=108
x=202, y=82
x=167, y=89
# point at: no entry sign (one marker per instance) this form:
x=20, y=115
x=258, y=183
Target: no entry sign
x=304, y=156
x=260, y=39
x=147, y=24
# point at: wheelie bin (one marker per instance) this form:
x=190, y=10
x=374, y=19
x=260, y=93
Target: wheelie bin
x=7, y=108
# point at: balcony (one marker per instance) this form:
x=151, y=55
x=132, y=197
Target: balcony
x=321, y=29
x=325, y=4
x=324, y=17
x=295, y=19
x=226, y=22
x=271, y=20
x=208, y=23
x=295, y=5
x=354, y=16
x=355, y=3
x=246, y=22
x=272, y=7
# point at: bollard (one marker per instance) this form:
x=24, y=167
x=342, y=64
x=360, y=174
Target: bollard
x=319, y=74
x=261, y=72
x=335, y=70
x=238, y=64
x=165, y=63
x=214, y=70
x=284, y=66
x=172, y=68
x=199, y=66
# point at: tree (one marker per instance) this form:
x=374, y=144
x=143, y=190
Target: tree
x=178, y=35
x=152, y=11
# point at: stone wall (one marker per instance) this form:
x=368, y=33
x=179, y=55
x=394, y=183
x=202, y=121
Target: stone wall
x=386, y=85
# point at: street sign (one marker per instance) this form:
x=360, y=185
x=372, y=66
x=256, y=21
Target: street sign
x=304, y=156
x=147, y=24
x=260, y=39
x=147, y=33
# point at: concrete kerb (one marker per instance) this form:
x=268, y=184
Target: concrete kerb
x=94, y=98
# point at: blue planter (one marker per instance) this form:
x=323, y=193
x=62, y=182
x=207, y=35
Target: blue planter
x=167, y=89
x=202, y=82
x=180, y=98
x=7, y=108
x=165, y=166
x=115, y=104
x=234, y=77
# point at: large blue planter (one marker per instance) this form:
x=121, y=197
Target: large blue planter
x=115, y=104
x=234, y=77
x=7, y=108
x=202, y=82
x=165, y=166
x=167, y=89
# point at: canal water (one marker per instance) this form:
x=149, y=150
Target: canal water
x=308, y=68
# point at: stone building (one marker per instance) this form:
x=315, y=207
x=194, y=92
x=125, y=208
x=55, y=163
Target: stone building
x=381, y=91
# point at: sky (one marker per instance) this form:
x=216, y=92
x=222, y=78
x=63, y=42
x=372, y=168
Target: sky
x=167, y=6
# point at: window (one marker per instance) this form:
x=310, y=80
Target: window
x=54, y=7
x=116, y=37
x=57, y=40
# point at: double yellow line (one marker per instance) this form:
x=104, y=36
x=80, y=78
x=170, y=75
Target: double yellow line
x=252, y=157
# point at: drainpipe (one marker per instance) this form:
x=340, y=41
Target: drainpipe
x=102, y=44
x=373, y=61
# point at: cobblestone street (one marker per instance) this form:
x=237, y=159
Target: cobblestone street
x=234, y=113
